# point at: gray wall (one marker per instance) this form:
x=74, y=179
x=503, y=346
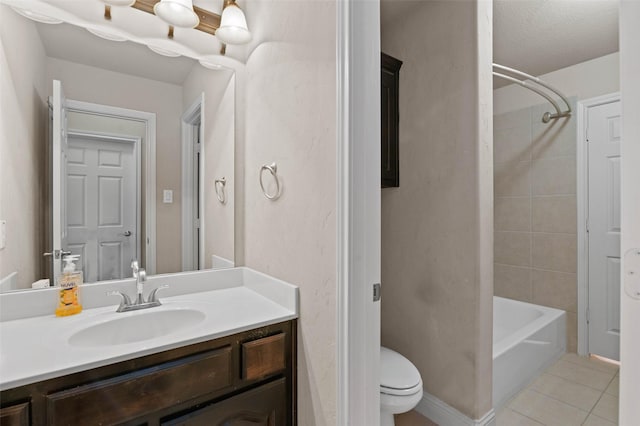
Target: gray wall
x=23, y=143
x=290, y=115
x=535, y=211
x=437, y=233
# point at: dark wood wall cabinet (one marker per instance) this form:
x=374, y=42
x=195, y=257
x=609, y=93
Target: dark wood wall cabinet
x=390, y=121
x=244, y=379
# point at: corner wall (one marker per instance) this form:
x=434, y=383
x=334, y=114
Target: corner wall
x=290, y=116
x=437, y=226
x=23, y=142
x=219, y=144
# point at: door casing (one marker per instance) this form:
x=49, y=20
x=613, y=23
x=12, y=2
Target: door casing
x=583, y=209
x=136, y=142
x=149, y=119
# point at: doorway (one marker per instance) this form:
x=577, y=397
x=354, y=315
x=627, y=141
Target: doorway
x=103, y=211
x=599, y=228
x=192, y=186
x=62, y=110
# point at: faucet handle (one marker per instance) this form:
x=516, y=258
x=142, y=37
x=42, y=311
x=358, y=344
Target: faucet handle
x=153, y=296
x=125, y=301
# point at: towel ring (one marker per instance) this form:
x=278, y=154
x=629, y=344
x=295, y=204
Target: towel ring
x=220, y=184
x=273, y=169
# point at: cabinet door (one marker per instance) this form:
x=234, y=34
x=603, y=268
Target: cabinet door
x=139, y=393
x=389, y=108
x=263, y=406
x=15, y=415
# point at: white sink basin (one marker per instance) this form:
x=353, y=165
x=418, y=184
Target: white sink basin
x=136, y=327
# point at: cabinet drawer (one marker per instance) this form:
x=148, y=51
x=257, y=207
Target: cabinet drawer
x=15, y=415
x=263, y=406
x=141, y=392
x=263, y=357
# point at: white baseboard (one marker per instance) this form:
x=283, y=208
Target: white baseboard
x=444, y=415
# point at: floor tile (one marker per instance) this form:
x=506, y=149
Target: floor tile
x=597, y=421
x=607, y=408
x=413, y=418
x=546, y=410
x=613, y=388
x=598, y=380
x=591, y=362
x=580, y=396
x=508, y=417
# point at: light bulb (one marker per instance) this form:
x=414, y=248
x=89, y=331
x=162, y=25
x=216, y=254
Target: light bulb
x=233, y=26
x=178, y=13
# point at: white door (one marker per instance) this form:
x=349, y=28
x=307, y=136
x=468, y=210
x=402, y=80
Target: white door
x=101, y=204
x=59, y=173
x=603, y=144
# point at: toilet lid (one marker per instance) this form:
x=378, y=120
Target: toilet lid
x=397, y=373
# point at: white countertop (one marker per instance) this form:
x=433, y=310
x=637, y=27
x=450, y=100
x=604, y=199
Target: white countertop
x=37, y=348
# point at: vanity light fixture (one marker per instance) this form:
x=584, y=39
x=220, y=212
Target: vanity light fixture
x=109, y=3
x=164, y=52
x=177, y=13
x=233, y=25
x=230, y=27
x=119, y=2
x=105, y=35
x=210, y=65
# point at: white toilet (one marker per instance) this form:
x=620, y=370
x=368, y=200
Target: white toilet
x=400, y=385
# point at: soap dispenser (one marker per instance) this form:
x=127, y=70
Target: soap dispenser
x=69, y=283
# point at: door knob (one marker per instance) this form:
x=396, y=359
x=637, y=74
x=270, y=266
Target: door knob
x=57, y=254
x=127, y=233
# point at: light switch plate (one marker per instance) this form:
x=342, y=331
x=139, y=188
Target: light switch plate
x=167, y=196
x=3, y=234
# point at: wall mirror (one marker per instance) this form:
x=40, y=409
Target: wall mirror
x=112, y=150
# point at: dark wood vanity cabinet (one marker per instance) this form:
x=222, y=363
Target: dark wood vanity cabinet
x=244, y=379
x=390, y=134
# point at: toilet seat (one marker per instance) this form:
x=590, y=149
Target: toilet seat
x=401, y=392
x=398, y=376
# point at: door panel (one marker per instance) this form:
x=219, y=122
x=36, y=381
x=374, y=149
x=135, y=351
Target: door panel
x=604, y=229
x=102, y=205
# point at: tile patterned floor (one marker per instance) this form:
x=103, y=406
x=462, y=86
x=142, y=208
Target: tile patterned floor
x=574, y=391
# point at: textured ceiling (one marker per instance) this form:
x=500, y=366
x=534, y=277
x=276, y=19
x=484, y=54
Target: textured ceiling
x=538, y=36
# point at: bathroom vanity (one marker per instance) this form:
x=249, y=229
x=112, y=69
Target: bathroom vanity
x=233, y=364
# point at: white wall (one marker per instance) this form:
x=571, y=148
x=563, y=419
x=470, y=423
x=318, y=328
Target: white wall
x=588, y=79
x=89, y=84
x=290, y=115
x=23, y=141
x=630, y=319
x=219, y=139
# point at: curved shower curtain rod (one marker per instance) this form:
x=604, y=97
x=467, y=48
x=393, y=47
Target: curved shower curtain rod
x=547, y=116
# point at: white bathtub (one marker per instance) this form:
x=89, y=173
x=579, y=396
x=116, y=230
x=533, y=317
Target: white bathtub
x=527, y=339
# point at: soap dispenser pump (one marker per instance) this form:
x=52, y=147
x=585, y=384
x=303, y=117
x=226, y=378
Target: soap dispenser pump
x=69, y=283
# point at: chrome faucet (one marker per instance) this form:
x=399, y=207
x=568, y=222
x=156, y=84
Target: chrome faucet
x=141, y=277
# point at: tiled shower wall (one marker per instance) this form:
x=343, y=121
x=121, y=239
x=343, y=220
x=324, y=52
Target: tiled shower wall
x=535, y=211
